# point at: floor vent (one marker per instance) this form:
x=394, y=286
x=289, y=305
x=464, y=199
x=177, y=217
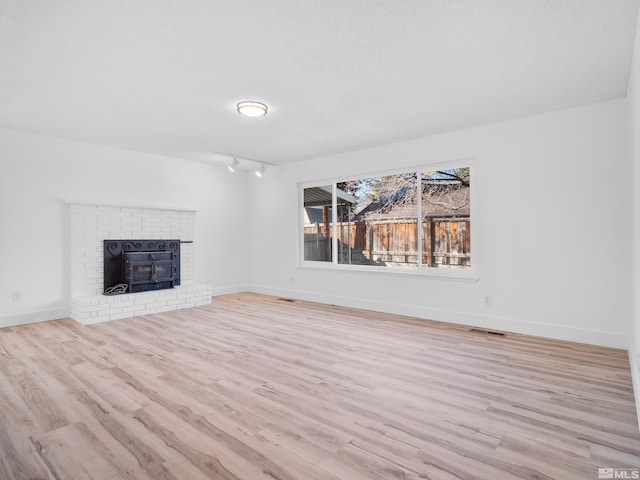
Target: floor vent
x=290, y=300
x=486, y=332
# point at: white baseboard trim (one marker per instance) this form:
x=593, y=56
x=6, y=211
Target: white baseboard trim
x=492, y=322
x=230, y=289
x=634, y=363
x=560, y=332
x=11, y=320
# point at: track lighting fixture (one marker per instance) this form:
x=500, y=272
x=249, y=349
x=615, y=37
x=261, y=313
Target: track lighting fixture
x=234, y=165
x=259, y=169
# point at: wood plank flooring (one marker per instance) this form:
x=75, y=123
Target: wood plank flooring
x=254, y=387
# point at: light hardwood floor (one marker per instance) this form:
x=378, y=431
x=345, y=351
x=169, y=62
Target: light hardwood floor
x=254, y=387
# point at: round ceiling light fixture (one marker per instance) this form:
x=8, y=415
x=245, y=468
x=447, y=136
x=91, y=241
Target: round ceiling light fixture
x=252, y=109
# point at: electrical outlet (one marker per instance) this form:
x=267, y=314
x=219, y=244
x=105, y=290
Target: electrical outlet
x=17, y=296
x=487, y=301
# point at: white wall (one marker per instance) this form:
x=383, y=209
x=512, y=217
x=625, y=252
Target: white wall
x=551, y=220
x=40, y=174
x=634, y=129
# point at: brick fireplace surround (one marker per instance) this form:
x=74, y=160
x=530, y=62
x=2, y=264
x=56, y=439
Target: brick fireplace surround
x=90, y=224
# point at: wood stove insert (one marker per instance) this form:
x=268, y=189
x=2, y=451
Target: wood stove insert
x=140, y=265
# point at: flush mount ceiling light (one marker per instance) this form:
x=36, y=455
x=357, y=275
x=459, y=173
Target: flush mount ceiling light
x=260, y=170
x=234, y=165
x=252, y=109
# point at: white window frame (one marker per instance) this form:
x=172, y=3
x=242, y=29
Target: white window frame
x=467, y=274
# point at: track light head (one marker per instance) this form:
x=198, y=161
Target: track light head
x=234, y=165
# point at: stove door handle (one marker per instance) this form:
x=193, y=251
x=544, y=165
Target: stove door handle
x=153, y=272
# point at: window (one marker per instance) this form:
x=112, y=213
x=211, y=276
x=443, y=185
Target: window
x=318, y=209
x=411, y=220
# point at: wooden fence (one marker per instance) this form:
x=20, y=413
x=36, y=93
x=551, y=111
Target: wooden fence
x=317, y=244
x=446, y=242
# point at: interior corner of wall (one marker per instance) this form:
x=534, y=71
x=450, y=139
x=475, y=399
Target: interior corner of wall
x=634, y=364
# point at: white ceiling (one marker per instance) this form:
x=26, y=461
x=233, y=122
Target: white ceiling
x=163, y=76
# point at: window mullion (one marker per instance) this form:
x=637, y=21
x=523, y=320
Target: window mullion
x=419, y=213
x=334, y=223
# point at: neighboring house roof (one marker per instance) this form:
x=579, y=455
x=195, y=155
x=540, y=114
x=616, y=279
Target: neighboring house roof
x=438, y=200
x=313, y=215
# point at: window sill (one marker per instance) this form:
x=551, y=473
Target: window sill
x=458, y=275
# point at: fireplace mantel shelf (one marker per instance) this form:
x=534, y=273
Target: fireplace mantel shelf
x=90, y=203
